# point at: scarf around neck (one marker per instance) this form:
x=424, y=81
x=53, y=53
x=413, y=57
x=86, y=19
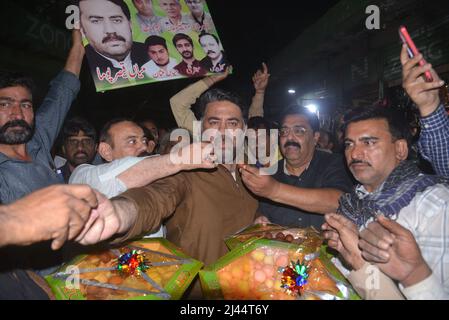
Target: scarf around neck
x=398, y=190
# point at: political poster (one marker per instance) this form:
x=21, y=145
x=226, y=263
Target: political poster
x=136, y=42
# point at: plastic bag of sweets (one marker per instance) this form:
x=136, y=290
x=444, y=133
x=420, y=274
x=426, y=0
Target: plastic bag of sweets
x=148, y=269
x=308, y=238
x=272, y=270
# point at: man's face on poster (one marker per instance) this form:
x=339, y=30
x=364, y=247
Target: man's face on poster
x=210, y=47
x=158, y=54
x=107, y=28
x=171, y=7
x=185, y=48
x=195, y=6
x=144, y=7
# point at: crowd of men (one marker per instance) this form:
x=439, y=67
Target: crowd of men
x=377, y=210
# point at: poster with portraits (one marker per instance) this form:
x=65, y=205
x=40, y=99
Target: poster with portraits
x=134, y=42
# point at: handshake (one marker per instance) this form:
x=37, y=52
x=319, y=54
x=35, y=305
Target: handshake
x=60, y=213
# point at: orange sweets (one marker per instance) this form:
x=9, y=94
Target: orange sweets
x=169, y=274
x=256, y=275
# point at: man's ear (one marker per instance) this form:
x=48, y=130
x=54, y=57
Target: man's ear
x=64, y=151
x=151, y=146
x=401, y=149
x=105, y=151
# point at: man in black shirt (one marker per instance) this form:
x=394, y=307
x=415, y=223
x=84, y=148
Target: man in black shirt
x=308, y=183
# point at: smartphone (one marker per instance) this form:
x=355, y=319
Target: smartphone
x=413, y=51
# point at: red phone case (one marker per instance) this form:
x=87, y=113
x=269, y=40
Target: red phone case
x=412, y=50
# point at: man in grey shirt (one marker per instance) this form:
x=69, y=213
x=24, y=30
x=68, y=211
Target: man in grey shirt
x=26, y=138
x=25, y=161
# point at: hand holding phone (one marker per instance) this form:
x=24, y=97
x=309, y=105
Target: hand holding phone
x=413, y=50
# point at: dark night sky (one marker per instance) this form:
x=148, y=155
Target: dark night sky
x=251, y=31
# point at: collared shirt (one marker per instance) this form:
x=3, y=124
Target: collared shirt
x=149, y=25
x=434, y=140
x=19, y=178
x=324, y=171
x=152, y=70
x=288, y=173
x=185, y=25
x=104, y=178
x=427, y=217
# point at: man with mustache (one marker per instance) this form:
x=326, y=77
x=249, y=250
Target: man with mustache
x=175, y=21
x=107, y=26
x=215, y=60
x=79, y=145
x=409, y=243
x=189, y=66
x=26, y=138
x=308, y=182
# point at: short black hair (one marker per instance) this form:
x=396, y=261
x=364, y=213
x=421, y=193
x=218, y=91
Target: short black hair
x=397, y=122
x=180, y=36
x=147, y=132
x=202, y=34
x=74, y=125
x=104, y=133
x=311, y=117
x=120, y=3
x=214, y=95
x=155, y=40
x=16, y=79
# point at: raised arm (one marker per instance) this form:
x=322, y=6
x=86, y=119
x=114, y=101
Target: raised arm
x=155, y=168
x=63, y=91
x=434, y=138
x=181, y=103
x=260, y=81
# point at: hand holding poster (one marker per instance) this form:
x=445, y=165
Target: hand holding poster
x=133, y=42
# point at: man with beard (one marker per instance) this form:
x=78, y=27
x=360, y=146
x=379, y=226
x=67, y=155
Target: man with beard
x=200, y=207
x=161, y=65
x=79, y=145
x=123, y=145
x=26, y=164
x=25, y=138
x=203, y=20
x=107, y=26
x=308, y=182
x=189, y=66
x=215, y=60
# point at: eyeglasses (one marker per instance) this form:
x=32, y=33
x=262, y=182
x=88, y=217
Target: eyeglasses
x=86, y=143
x=297, y=131
x=193, y=1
